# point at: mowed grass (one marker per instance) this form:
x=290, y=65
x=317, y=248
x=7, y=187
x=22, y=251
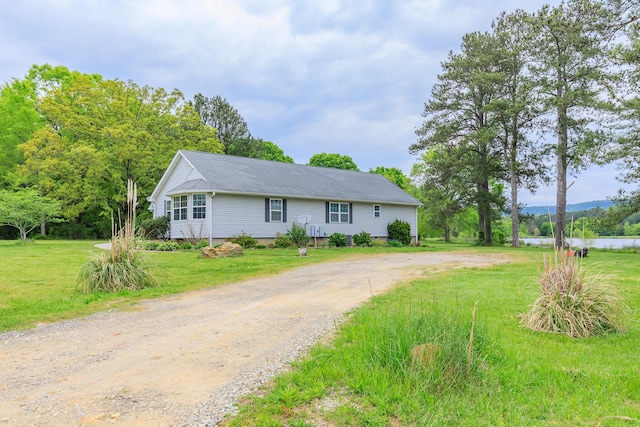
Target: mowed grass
x=38, y=279
x=366, y=377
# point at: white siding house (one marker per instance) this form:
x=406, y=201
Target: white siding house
x=215, y=197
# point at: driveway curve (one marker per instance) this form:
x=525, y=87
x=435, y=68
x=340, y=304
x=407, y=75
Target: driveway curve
x=184, y=360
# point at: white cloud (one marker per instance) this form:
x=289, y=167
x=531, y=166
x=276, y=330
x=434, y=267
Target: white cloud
x=313, y=76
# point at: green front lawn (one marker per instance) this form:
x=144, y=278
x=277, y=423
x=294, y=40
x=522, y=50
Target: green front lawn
x=38, y=279
x=366, y=375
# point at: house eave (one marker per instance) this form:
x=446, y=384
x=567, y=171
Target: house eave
x=293, y=196
x=323, y=198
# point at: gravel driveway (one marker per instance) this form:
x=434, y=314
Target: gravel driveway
x=184, y=360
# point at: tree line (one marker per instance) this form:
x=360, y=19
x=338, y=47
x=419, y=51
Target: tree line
x=540, y=96
x=70, y=142
x=590, y=223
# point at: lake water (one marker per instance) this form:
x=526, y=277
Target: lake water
x=599, y=243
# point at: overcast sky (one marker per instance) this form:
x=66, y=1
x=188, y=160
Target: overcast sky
x=334, y=76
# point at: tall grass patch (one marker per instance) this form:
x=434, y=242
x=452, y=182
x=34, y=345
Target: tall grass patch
x=574, y=300
x=434, y=348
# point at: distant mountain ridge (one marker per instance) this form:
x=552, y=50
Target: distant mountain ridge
x=584, y=206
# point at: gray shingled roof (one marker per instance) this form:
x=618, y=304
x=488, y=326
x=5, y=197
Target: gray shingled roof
x=231, y=174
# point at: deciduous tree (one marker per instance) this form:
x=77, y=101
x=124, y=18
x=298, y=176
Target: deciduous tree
x=394, y=175
x=271, y=151
x=333, y=160
x=442, y=186
x=98, y=134
x=25, y=210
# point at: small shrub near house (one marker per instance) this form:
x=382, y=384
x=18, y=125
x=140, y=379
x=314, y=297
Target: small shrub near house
x=149, y=245
x=298, y=235
x=380, y=243
x=168, y=246
x=395, y=243
x=362, y=239
x=244, y=240
x=400, y=231
x=338, y=240
x=154, y=228
x=154, y=245
x=283, y=241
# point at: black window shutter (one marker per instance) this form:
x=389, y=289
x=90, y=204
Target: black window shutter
x=267, y=217
x=284, y=210
x=327, y=213
x=350, y=213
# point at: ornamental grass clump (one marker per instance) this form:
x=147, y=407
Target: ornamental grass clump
x=573, y=301
x=122, y=268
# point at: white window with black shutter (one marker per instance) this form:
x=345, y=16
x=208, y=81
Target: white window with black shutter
x=275, y=210
x=339, y=213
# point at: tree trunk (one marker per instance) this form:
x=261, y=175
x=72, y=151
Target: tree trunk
x=513, y=166
x=515, y=221
x=481, y=217
x=484, y=213
x=488, y=240
x=561, y=178
x=447, y=234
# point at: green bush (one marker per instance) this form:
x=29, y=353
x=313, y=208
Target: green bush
x=499, y=237
x=338, y=240
x=298, y=235
x=395, y=243
x=379, y=243
x=154, y=245
x=168, y=246
x=155, y=228
x=202, y=244
x=150, y=245
x=362, y=239
x=283, y=241
x=400, y=230
x=244, y=240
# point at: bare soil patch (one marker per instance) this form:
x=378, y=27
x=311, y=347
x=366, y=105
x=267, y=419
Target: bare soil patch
x=158, y=365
